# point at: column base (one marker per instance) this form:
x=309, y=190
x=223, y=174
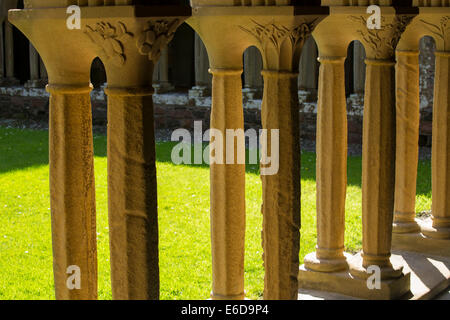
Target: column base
x=252, y=94
x=405, y=227
x=199, y=92
x=326, y=265
x=345, y=283
x=307, y=96
x=36, y=83
x=221, y=297
x=439, y=233
x=388, y=272
x=163, y=87
x=421, y=241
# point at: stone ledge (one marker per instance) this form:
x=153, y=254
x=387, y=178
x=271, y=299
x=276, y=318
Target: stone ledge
x=418, y=242
x=429, y=276
x=343, y=283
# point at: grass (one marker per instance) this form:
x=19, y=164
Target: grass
x=185, y=259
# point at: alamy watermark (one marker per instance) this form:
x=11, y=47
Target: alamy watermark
x=73, y=22
x=374, y=281
x=228, y=148
x=74, y=280
x=374, y=21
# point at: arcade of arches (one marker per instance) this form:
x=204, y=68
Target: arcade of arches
x=267, y=59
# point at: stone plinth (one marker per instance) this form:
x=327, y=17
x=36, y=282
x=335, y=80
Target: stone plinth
x=345, y=283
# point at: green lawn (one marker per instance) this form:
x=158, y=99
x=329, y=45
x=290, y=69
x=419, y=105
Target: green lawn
x=185, y=261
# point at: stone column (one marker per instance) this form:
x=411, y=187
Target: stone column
x=42, y=71
x=9, y=54
x=440, y=163
x=202, y=76
x=72, y=191
x=163, y=85
x=253, y=66
x=34, y=80
x=331, y=168
x=2, y=55
x=227, y=190
x=132, y=193
x=378, y=176
x=359, y=67
x=281, y=189
x=308, y=71
x=407, y=154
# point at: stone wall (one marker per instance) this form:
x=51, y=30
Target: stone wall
x=172, y=110
x=179, y=110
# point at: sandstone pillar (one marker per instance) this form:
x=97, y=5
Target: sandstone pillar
x=163, y=85
x=253, y=66
x=2, y=55
x=308, y=71
x=227, y=190
x=132, y=193
x=34, y=68
x=202, y=76
x=441, y=151
x=43, y=71
x=9, y=53
x=72, y=191
x=407, y=154
x=359, y=68
x=378, y=176
x=331, y=169
x=281, y=190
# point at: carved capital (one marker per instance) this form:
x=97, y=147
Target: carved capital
x=381, y=43
x=109, y=40
x=274, y=38
x=156, y=35
x=440, y=30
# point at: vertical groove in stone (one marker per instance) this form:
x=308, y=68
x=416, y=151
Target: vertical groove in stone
x=72, y=193
x=378, y=176
x=281, y=192
x=407, y=148
x=227, y=191
x=132, y=199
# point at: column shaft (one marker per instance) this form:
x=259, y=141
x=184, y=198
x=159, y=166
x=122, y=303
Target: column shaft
x=2, y=54
x=72, y=191
x=132, y=203
x=34, y=63
x=378, y=176
x=202, y=76
x=227, y=191
x=331, y=168
x=253, y=66
x=163, y=84
x=359, y=68
x=308, y=66
x=9, y=50
x=441, y=150
x=407, y=154
x=281, y=191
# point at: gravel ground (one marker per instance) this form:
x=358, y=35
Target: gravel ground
x=165, y=135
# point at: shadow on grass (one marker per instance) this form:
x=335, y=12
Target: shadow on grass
x=20, y=149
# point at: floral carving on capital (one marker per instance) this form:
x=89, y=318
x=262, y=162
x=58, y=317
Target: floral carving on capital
x=109, y=39
x=155, y=37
